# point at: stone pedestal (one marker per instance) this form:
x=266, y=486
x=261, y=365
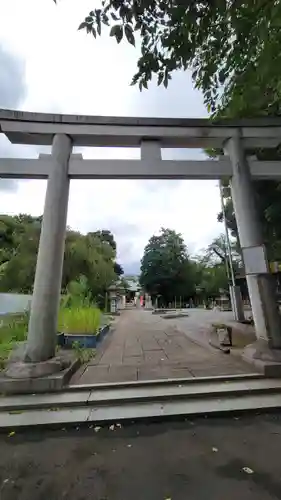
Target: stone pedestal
x=265, y=359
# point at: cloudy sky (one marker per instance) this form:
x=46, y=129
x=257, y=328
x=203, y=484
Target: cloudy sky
x=47, y=65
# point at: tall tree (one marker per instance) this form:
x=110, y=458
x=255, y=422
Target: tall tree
x=212, y=268
x=217, y=251
x=105, y=236
x=165, y=267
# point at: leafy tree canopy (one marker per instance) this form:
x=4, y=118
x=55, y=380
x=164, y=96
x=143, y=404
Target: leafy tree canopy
x=228, y=44
x=165, y=267
x=91, y=255
x=210, y=278
x=106, y=236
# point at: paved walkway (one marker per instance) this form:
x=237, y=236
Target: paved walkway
x=143, y=346
x=197, y=325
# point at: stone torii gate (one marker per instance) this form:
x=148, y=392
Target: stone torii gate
x=63, y=132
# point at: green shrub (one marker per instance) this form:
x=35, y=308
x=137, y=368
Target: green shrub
x=84, y=319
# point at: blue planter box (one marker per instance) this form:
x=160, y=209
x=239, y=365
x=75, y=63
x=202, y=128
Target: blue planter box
x=85, y=341
x=60, y=339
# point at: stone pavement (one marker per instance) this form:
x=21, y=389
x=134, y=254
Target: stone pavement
x=143, y=346
x=196, y=326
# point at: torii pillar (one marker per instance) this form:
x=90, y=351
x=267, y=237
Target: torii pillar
x=267, y=347
x=39, y=356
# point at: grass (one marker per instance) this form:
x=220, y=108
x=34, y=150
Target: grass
x=13, y=329
x=79, y=320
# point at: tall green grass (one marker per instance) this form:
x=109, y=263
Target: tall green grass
x=13, y=329
x=83, y=319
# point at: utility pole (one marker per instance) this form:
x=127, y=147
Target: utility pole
x=235, y=294
x=230, y=270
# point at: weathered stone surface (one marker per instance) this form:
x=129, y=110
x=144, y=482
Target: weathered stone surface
x=145, y=347
x=215, y=340
x=51, y=383
x=22, y=377
x=266, y=360
x=18, y=353
x=19, y=369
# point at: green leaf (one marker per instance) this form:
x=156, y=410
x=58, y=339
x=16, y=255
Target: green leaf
x=98, y=21
x=117, y=31
x=160, y=78
x=129, y=34
x=114, y=17
x=83, y=26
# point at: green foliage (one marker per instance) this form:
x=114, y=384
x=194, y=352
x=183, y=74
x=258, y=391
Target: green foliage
x=226, y=43
x=218, y=253
x=78, y=293
x=167, y=272
x=211, y=274
x=92, y=255
x=85, y=355
x=268, y=202
x=165, y=267
x=78, y=313
x=82, y=319
x=210, y=279
x=13, y=329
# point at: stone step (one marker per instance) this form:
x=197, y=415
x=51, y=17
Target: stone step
x=115, y=402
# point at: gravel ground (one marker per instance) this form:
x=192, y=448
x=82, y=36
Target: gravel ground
x=201, y=459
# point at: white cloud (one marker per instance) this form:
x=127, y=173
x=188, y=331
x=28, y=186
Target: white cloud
x=68, y=71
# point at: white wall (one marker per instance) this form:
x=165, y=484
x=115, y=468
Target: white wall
x=14, y=302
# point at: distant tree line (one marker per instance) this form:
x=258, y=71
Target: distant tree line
x=92, y=255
